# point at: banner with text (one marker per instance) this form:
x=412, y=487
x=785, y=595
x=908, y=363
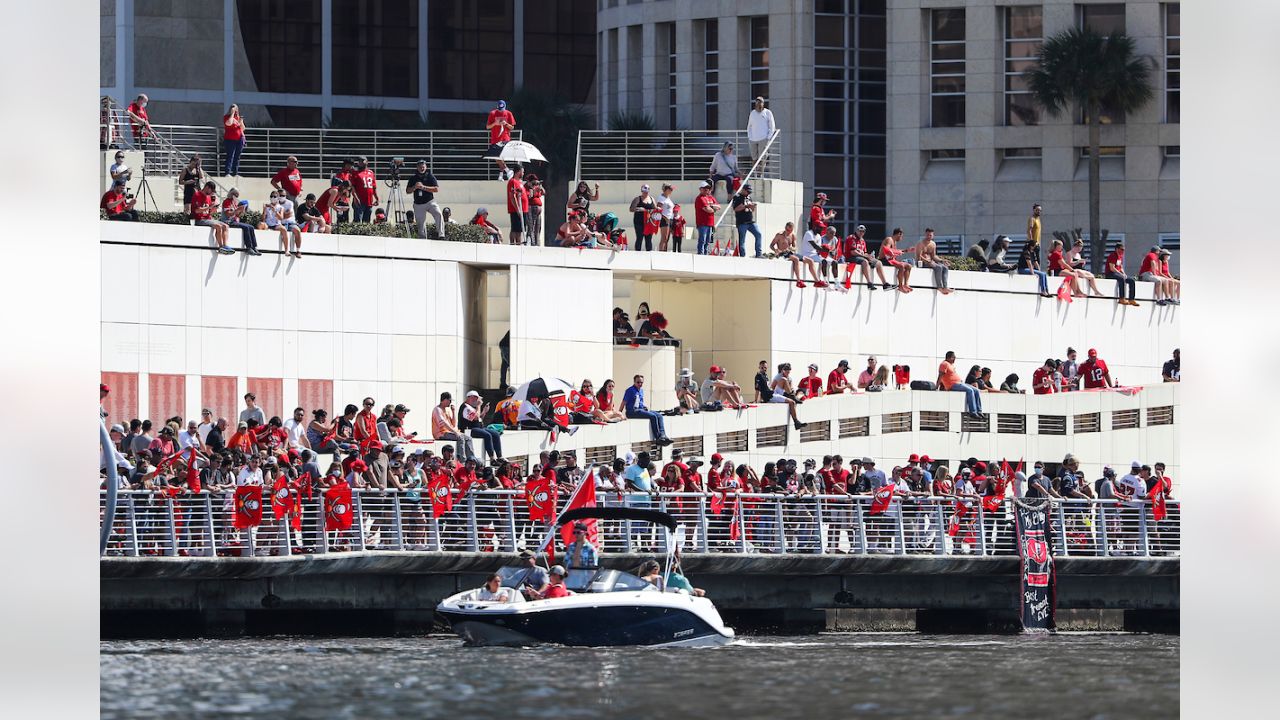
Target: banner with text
x=1038, y=583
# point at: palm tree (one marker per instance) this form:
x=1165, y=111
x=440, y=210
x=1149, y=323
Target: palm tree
x=1082, y=68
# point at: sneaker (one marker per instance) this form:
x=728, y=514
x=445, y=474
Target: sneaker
x=1162, y=302
x=758, y=256
x=572, y=429
x=665, y=440
x=1175, y=301
x=872, y=286
x=799, y=424
x=820, y=284
x=885, y=286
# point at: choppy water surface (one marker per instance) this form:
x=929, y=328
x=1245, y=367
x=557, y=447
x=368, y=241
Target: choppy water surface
x=1085, y=675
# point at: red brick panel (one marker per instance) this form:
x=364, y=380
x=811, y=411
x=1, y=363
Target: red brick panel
x=270, y=394
x=122, y=404
x=168, y=397
x=316, y=395
x=218, y=393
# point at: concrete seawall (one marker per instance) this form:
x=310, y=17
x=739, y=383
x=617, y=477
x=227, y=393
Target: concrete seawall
x=392, y=593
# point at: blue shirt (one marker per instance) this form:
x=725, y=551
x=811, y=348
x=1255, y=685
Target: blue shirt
x=638, y=477
x=633, y=399
x=581, y=555
x=877, y=478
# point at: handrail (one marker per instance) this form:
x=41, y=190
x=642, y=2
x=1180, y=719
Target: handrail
x=651, y=155
x=161, y=157
x=750, y=173
x=495, y=520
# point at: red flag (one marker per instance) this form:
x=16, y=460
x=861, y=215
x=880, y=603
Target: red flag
x=883, y=497
x=735, y=525
x=560, y=410
x=953, y=527
x=467, y=480
x=280, y=498
x=991, y=503
x=248, y=506
x=540, y=492
x=337, y=507
x=1158, y=509
x=1064, y=290
x=717, y=503
x=584, y=496
x=295, y=506
x=441, y=494
x=193, y=475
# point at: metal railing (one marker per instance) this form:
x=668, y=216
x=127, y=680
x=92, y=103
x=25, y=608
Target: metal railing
x=646, y=155
x=451, y=154
x=161, y=155
x=200, y=525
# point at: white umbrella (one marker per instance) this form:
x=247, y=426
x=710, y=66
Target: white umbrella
x=519, y=151
x=542, y=388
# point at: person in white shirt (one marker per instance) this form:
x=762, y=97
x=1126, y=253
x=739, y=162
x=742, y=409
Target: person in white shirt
x=190, y=438
x=296, y=427
x=760, y=127
x=493, y=591
x=1133, y=486
x=667, y=207
x=783, y=392
x=119, y=170
x=250, y=474
x=206, y=424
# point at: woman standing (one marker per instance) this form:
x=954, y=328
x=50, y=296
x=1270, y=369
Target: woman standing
x=536, y=194
x=641, y=206
x=582, y=197
x=667, y=207
x=191, y=179
x=233, y=142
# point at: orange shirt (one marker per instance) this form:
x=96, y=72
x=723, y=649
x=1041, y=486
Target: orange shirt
x=948, y=373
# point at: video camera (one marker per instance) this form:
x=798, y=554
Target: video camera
x=393, y=170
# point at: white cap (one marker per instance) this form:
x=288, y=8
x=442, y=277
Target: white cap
x=629, y=458
x=473, y=393
x=1135, y=464
x=705, y=184
x=686, y=372
x=644, y=188
x=863, y=228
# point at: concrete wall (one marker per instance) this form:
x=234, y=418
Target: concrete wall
x=561, y=325
x=656, y=364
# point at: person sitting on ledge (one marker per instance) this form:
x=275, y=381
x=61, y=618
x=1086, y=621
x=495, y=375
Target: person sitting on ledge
x=655, y=326
x=118, y=203
x=491, y=232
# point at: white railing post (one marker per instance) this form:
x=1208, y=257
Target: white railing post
x=473, y=537
x=287, y=543
x=133, y=526
x=742, y=528
x=1144, y=547
x=577, y=160
x=862, y=526
x=778, y=520
x=1060, y=515
x=322, y=527
x=511, y=521
x=1102, y=529
x=397, y=522
x=982, y=536
x=209, y=526
x=944, y=547
x=822, y=530
x=704, y=542
x=901, y=526
x=358, y=520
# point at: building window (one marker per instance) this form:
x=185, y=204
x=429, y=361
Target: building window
x=711, y=70
x=760, y=57
x=1105, y=151
x=673, y=81
x=1023, y=32
x=560, y=48
x=1025, y=153
x=849, y=110
x=1102, y=19
x=946, y=67
x=375, y=48
x=1172, y=63
x=469, y=49
x=1172, y=151
x=946, y=155
x=282, y=44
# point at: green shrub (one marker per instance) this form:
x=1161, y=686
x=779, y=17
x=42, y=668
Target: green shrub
x=463, y=233
x=960, y=262
x=370, y=229
x=164, y=218
x=251, y=217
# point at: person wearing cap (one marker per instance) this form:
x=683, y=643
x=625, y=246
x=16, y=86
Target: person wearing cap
x=1133, y=486
x=491, y=232
x=535, y=578
x=838, y=379
x=555, y=586
x=854, y=251
x=517, y=205
x=704, y=211
x=1173, y=285
x=1151, y=272
x=1115, y=271
x=870, y=479
x=744, y=216
x=717, y=389
x=424, y=186
x=724, y=168
x=641, y=207
x=310, y=217
x=1095, y=373
x=508, y=409
x=471, y=420
x=581, y=553
x=687, y=392
x=760, y=127
x=500, y=123
x=784, y=392
x=667, y=210
x=819, y=215
x=118, y=203
x=810, y=386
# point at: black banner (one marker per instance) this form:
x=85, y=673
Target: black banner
x=1038, y=597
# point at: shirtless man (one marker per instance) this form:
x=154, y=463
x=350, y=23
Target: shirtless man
x=784, y=247
x=889, y=253
x=927, y=253
x=574, y=234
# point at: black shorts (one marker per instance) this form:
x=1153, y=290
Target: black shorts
x=517, y=222
x=494, y=150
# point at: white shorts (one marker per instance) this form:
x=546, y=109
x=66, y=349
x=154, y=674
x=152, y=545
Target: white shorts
x=778, y=397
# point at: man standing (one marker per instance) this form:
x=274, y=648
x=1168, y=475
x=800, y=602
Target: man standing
x=581, y=553
x=365, y=433
x=289, y=180
x=837, y=380
x=1172, y=370
x=949, y=379
x=517, y=204
x=1042, y=380
x=424, y=186
x=1115, y=271
x=139, y=123
x=927, y=254
x=744, y=216
x=1033, y=225
x=499, y=124
x=1095, y=372
x=251, y=410
x=634, y=407
x=365, y=188
x=705, y=209
x=871, y=478
x=760, y=127
x=233, y=141
x=819, y=216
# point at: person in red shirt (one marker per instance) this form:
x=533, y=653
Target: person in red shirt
x=704, y=211
x=838, y=512
x=555, y=588
x=1059, y=266
x=139, y=123
x=819, y=216
x=1095, y=373
x=203, y=203
x=1115, y=271
x=837, y=382
x=289, y=180
x=889, y=253
x=811, y=385
x=233, y=141
x=854, y=250
x=1173, y=286
x=499, y=124
x=335, y=196
x=365, y=432
x=1042, y=382
x=517, y=205
x=118, y=203
x=1150, y=272
x=364, y=186
x=536, y=194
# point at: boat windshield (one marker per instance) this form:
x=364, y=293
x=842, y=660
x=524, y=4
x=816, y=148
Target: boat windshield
x=617, y=581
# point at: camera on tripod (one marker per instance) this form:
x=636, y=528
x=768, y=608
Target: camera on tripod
x=393, y=171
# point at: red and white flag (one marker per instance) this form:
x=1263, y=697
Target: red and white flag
x=337, y=507
x=584, y=496
x=441, y=494
x=883, y=498
x=280, y=503
x=248, y=506
x=540, y=493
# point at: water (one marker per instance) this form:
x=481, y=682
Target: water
x=880, y=675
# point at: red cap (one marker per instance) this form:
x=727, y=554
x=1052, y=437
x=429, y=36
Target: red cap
x=926, y=459
x=1093, y=353
x=914, y=458
x=980, y=466
x=359, y=466
x=103, y=388
x=716, y=369
x=716, y=457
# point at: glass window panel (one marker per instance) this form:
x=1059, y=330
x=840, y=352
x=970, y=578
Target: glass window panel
x=828, y=34
x=830, y=143
x=828, y=116
x=871, y=117
x=947, y=51
x=829, y=57
x=1172, y=19
x=1020, y=110
x=1103, y=19
x=871, y=7
x=871, y=91
x=822, y=73
x=871, y=199
x=948, y=84
x=871, y=145
x=282, y=44
x=1021, y=48
x=1173, y=107
x=828, y=90
x=828, y=171
x=948, y=111
x=1024, y=22
x=948, y=24
x=835, y=7
x=947, y=68
x=871, y=32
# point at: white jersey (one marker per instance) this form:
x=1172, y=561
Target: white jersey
x=807, y=243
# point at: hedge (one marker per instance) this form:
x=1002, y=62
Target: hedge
x=453, y=232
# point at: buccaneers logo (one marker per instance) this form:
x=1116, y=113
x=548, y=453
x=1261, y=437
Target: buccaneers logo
x=337, y=510
x=1036, y=550
x=441, y=491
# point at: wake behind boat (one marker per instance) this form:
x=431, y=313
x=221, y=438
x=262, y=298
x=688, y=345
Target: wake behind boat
x=605, y=608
